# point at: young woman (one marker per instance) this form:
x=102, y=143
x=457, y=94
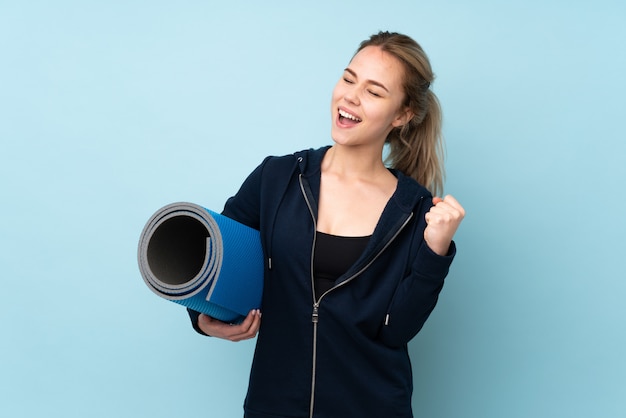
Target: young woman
x=355, y=252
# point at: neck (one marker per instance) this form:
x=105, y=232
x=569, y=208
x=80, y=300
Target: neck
x=354, y=161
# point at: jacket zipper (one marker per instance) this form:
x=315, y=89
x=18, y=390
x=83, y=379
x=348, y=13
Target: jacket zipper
x=315, y=314
x=316, y=303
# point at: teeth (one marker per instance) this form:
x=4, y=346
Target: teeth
x=348, y=115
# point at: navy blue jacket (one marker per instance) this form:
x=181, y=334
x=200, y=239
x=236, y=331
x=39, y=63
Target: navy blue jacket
x=345, y=354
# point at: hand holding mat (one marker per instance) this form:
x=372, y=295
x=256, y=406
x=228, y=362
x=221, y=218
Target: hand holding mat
x=202, y=260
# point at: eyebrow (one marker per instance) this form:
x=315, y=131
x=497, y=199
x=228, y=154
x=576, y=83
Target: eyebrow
x=374, y=82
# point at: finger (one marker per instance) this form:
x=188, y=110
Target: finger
x=239, y=331
x=247, y=322
x=216, y=328
x=246, y=330
x=429, y=217
x=437, y=200
x=449, y=209
x=437, y=212
x=450, y=200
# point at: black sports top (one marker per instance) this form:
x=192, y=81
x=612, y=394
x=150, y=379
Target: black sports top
x=333, y=256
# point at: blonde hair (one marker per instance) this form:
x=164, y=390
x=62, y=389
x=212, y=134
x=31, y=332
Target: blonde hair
x=416, y=148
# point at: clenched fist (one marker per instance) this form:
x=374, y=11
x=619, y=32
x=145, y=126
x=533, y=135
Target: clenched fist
x=442, y=221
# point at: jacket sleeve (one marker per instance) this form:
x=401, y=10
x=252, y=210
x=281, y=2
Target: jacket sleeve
x=416, y=296
x=244, y=207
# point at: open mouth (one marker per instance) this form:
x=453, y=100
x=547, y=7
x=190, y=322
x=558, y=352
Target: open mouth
x=348, y=118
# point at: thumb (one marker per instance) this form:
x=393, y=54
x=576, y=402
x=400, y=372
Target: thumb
x=437, y=200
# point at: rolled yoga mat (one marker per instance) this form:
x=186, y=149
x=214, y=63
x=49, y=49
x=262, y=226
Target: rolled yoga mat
x=202, y=260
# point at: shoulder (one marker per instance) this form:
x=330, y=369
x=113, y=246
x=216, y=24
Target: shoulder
x=303, y=160
x=409, y=193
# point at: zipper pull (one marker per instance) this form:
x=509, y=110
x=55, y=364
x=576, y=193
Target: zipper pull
x=315, y=316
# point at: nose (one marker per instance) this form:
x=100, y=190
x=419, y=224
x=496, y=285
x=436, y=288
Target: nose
x=351, y=96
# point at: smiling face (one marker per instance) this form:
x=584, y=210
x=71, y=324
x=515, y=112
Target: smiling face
x=367, y=102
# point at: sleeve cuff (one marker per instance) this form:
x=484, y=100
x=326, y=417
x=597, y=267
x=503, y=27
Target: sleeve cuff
x=432, y=264
x=193, y=316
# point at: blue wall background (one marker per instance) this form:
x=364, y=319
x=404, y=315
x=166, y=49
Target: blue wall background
x=110, y=110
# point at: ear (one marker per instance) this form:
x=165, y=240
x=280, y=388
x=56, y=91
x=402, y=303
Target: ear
x=404, y=116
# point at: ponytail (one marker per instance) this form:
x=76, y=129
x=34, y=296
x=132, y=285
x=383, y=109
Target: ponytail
x=416, y=149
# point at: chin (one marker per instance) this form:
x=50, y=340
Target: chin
x=340, y=138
